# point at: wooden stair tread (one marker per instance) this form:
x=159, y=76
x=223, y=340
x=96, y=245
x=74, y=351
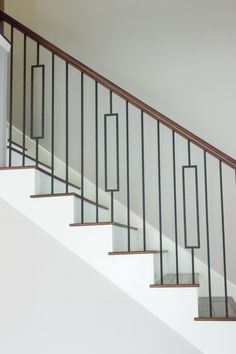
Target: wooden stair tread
x=124, y=253
x=5, y=168
x=218, y=309
x=67, y=195
x=170, y=281
x=104, y=223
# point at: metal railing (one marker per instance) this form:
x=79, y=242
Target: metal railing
x=145, y=156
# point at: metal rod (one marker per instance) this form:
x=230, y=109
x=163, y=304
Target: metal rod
x=67, y=128
x=52, y=122
x=37, y=53
x=127, y=175
x=37, y=139
x=24, y=100
x=11, y=97
x=105, y=151
x=112, y=193
x=117, y=155
x=96, y=148
x=193, y=266
x=160, y=199
x=143, y=182
x=223, y=240
x=192, y=249
x=175, y=209
x=112, y=206
x=207, y=236
x=189, y=153
x=197, y=208
x=82, y=147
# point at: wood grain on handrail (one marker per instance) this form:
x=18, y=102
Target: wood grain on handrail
x=212, y=150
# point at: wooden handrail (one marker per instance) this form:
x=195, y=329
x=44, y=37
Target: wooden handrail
x=212, y=150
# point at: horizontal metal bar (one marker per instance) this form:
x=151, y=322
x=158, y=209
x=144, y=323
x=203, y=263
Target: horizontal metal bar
x=184, y=207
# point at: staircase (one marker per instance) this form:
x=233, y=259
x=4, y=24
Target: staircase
x=145, y=202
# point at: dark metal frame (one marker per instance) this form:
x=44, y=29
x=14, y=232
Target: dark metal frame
x=197, y=207
x=107, y=116
x=32, y=136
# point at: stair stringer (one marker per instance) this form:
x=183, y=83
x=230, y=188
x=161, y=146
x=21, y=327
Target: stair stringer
x=133, y=274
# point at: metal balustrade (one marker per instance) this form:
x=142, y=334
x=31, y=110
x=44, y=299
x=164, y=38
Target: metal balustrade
x=124, y=131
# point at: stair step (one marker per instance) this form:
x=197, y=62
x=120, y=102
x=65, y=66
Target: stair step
x=67, y=195
x=218, y=309
x=5, y=168
x=124, y=253
x=114, y=223
x=170, y=281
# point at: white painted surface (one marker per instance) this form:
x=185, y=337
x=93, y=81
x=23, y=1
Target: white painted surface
x=4, y=50
x=52, y=302
x=132, y=274
x=4, y=44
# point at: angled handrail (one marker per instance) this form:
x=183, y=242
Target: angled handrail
x=212, y=150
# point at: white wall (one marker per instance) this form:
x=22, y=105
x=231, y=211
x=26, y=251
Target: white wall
x=52, y=302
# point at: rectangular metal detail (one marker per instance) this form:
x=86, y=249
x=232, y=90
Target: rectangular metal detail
x=37, y=101
x=111, y=147
x=191, y=207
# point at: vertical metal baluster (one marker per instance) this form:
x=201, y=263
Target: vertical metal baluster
x=175, y=210
x=192, y=249
x=37, y=140
x=143, y=184
x=24, y=100
x=223, y=240
x=159, y=195
x=11, y=97
x=96, y=147
x=67, y=128
x=117, y=154
x=82, y=147
x=52, y=123
x=127, y=176
x=193, y=266
x=207, y=235
x=112, y=193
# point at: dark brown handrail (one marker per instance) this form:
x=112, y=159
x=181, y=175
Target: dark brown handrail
x=120, y=92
